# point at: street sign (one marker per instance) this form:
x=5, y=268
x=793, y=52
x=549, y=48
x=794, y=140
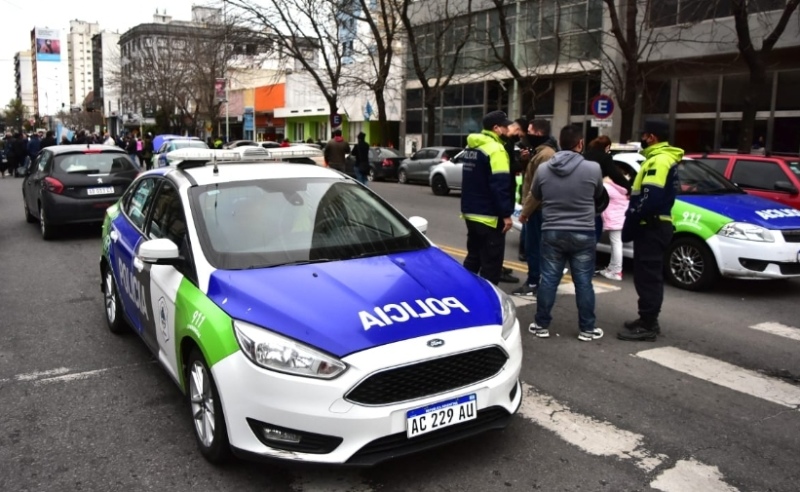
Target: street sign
x=601, y=123
x=602, y=106
x=336, y=120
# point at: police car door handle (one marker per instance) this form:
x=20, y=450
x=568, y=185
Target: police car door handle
x=138, y=264
x=114, y=235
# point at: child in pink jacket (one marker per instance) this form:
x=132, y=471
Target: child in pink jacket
x=613, y=219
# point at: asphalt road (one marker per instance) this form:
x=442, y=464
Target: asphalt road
x=714, y=405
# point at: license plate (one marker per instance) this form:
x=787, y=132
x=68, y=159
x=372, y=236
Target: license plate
x=439, y=415
x=105, y=190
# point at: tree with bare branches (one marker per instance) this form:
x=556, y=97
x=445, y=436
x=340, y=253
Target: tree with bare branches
x=755, y=59
x=307, y=31
x=435, y=47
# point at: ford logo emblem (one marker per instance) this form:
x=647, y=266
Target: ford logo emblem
x=435, y=343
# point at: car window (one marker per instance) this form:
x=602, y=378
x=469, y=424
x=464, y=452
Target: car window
x=167, y=220
x=93, y=163
x=719, y=165
x=450, y=153
x=795, y=167
x=385, y=152
x=137, y=204
x=258, y=224
x=429, y=154
x=41, y=160
x=759, y=175
x=696, y=178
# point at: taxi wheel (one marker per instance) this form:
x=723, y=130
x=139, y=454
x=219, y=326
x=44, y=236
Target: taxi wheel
x=210, y=431
x=48, y=230
x=690, y=264
x=114, y=315
x=439, y=185
x=402, y=177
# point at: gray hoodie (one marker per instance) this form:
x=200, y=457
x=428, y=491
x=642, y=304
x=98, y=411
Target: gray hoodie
x=568, y=186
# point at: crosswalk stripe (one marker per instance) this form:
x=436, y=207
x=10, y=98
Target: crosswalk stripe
x=602, y=438
x=778, y=329
x=310, y=480
x=725, y=374
x=691, y=475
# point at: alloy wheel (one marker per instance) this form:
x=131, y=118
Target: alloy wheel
x=110, y=297
x=202, y=404
x=687, y=264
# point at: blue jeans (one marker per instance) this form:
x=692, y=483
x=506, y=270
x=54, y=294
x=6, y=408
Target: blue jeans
x=558, y=248
x=533, y=247
x=360, y=177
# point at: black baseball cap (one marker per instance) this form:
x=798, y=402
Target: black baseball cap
x=655, y=127
x=495, y=118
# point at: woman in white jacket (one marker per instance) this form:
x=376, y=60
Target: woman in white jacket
x=613, y=219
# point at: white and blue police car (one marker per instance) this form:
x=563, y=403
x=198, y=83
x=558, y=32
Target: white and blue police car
x=304, y=317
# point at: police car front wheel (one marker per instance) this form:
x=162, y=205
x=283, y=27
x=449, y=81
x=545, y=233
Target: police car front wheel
x=691, y=264
x=209, y=421
x=114, y=315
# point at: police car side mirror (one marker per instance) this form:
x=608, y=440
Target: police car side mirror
x=159, y=252
x=419, y=223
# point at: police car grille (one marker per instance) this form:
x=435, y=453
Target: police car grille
x=791, y=236
x=429, y=378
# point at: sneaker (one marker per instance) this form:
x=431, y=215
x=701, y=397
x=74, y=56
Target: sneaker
x=588, y=336
x=525, y=290
x=539, y=331
x=639, y=323
x=611, y=275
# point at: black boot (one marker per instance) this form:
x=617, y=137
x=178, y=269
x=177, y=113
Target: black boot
x=640, y=330
x=508, y=277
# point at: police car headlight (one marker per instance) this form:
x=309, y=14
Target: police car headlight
x=509, y=312
x=747, y=232
x=274, y=352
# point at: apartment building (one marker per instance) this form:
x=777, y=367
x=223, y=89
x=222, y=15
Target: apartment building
x=79, y=60
x=23, y=79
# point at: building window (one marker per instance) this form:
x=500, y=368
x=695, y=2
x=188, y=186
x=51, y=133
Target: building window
x=299, y=131
x=698, y=95
x=788, y=96
x=414, y=98
x=671, y=12
x=733, y=86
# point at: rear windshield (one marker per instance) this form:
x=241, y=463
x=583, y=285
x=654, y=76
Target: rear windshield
x=190, y=144
x=386, y=152
x=450, y=153
x=94, y=163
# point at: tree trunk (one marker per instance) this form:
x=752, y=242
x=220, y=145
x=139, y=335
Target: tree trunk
x=430, y=123
x=627, y=103
x=383, y=131
x=756, y=89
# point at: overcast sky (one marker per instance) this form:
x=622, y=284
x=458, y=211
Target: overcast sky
x=20, y=16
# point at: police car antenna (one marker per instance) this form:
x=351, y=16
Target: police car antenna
x=214, y=161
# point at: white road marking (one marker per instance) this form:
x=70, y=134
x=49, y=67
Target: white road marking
x=330, y=481
x=32, y=376
x=724, y=374
x=689, y=475
x=72, y=377
x=564, y=289
x=602, y=438
x=778, y=329
x=593, y=436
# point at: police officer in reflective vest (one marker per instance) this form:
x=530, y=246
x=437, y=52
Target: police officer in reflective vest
x=648, y=223
x=486, y=200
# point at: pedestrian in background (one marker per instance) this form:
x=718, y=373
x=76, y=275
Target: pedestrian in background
x=599, y=151
x=570, y=188
x=486, y=199
x=648, y=223
x=147, y=151
x=361, y=153
x=544, y=148
x=513, y=139
x=336, y=151
x=49, y=139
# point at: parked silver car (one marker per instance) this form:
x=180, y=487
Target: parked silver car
x=446, y=176
x=418, y=166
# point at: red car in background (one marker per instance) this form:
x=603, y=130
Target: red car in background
x=774, y=178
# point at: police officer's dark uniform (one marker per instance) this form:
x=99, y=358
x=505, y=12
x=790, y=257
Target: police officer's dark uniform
x=648, y=223
x=486, y=200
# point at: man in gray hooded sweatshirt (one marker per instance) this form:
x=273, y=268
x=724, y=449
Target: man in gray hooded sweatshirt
x=569, y=188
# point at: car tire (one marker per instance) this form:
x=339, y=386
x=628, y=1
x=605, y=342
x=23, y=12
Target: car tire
x=439, y=185
x=205, y=407
x=371, y=176
x=690, y=264
x=45, y=227
x=115, y=318
x=402, y=177
x=29, y=217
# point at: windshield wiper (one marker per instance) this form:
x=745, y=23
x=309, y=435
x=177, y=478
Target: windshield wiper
x=298, y=262
x=380, y=253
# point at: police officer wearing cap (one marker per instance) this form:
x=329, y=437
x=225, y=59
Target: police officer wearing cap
x=648, y=223
x=486, y=200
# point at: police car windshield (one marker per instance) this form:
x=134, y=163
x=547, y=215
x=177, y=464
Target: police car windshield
x=697, y=178
x=268, y=223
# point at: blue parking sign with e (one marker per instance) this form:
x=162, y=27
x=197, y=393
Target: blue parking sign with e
x=602, y=106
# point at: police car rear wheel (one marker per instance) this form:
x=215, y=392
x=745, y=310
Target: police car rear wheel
x=439, y=185
x=114, y=316
x=402, y=177
x=691, y=265
x=210, y=431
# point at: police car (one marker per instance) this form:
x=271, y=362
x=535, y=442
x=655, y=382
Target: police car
x=297, y=154
x=304, y=317
x=722, y=231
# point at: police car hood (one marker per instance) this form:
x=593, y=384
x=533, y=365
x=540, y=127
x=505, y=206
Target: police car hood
x=748, y=208
x=344, y=307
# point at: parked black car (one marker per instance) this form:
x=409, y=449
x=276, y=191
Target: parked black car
x=71, y=184
x=383, y=163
